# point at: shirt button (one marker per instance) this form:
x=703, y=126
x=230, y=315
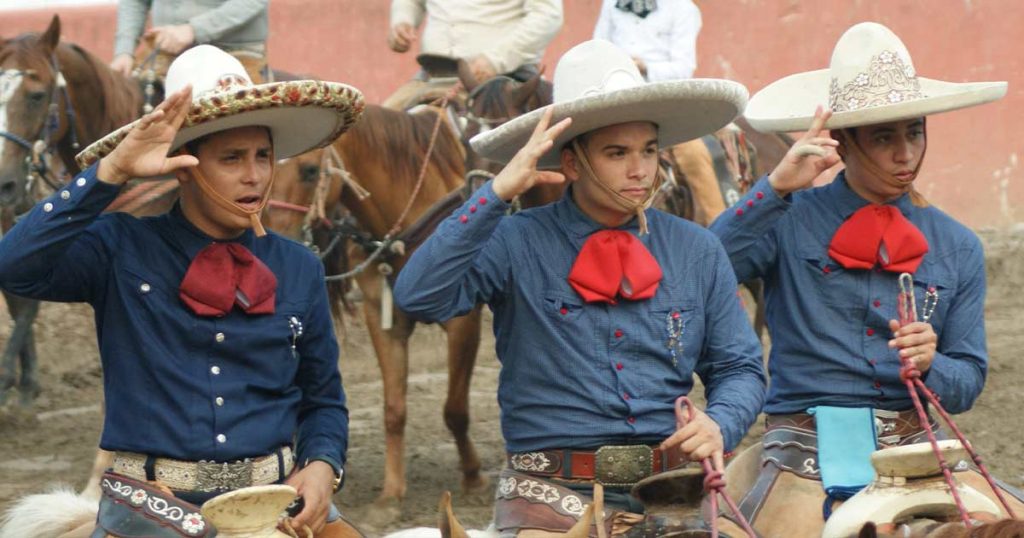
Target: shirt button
x=618, y=366
x=826, y=269
x=877, y=303
x=221, y=438
x=47, y=207
x=219, y=401
x=463, y=219
x=80, y=182
x=631, y=420
x=870, y=332
x=472, y=209
x=760, y=195
x=872, y=362
x=482, y=201
x=739, y=212
x=625, y=396
x=563, y=310
x=219, y=337
x=64, y=195
x=618, y=333
x=215, y=370
x=145, y=287
x=878, y=384
x=750, y=203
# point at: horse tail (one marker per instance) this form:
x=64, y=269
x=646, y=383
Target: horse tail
x=48, y=515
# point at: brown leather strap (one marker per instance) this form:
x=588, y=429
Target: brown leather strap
x=582, y=464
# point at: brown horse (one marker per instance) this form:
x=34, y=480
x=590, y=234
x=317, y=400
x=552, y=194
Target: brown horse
x=55, y=98
x=381, y=156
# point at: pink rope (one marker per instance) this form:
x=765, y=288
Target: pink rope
x=911, y=377
x=714, y=481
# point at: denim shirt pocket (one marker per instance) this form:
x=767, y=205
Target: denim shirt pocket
x=560, y=306
x=676, y=330
x=826, y=279
x=934, y=288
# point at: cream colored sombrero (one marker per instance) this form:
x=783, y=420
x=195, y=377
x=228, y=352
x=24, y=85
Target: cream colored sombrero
x=870, y=80
x=302, y=114
x=597, y=85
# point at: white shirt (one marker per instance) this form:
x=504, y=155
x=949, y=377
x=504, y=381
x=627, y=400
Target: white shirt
x=666, y=40
x=509, y=33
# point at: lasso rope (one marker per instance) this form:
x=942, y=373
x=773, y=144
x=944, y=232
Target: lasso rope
x=714, y=481
x=911, y=376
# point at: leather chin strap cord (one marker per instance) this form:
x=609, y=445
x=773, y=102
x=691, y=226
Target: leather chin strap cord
x=231, y=206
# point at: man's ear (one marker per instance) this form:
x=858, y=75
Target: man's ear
x=570, y=164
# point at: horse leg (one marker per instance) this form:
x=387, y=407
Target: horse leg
x=28, y=389
x=392, y=349
x=756, y=287
x=463, y=342
x=694, y=161
x=23, y=312
x=103, y=461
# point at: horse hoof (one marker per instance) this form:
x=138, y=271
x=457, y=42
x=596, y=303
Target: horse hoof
x=27, y=395
x=383, y=513
x=477, y=483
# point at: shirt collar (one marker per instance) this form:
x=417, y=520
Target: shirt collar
x=190, y=239
x=847, y=202
x=578, y=223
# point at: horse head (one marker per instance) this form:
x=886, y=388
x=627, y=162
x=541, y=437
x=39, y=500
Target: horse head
x=28, y=84
x=493, y=102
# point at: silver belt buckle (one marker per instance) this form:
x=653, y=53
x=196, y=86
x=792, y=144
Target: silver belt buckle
x=623, y=465
x=213, y=477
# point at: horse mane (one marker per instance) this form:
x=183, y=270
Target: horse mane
x=404, y=139
x=121, y=99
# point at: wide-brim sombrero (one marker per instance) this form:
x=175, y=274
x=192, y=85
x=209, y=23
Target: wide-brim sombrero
x=598, y=85
x=302, y=115
x=870, y=80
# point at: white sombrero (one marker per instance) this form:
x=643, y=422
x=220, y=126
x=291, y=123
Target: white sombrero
x=597, y=85
x=870, y=80
x=301, y=115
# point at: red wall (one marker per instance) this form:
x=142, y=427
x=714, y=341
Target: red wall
x=972, y=168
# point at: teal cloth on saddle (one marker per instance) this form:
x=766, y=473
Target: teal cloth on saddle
x=846, y=439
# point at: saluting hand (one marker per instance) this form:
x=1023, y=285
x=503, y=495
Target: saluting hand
x=811, y=155
x=143, y=152
x=521, y=172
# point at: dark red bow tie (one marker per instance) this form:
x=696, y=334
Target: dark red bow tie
x=612, y=263
x=879, y=234
x=225, y=274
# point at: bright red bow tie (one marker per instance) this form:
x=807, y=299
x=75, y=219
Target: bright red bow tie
x=879, y=234
x=611, y=263
x=225, y=274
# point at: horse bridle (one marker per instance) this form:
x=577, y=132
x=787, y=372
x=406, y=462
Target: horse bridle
x=35, y=163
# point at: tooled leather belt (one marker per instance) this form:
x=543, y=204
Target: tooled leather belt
x=612, y=465
x=204, y=476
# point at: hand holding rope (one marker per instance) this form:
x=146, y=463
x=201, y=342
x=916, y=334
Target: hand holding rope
x=911, y=377
x=714, y=480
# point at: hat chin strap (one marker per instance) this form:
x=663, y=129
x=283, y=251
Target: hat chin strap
x=232, y=207
x=629, y=205
x=850, y=148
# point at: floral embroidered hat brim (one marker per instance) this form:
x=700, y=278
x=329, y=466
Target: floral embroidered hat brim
x=301, y=115
x=597, y=84
x=870, y=80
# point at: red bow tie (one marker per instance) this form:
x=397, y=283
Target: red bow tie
x=225, y=274
x=614, y=262
x=878, y=234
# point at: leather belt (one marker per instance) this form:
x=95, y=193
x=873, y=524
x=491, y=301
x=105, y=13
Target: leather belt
x=206, y=476
x=612, y=465
x=890, y=426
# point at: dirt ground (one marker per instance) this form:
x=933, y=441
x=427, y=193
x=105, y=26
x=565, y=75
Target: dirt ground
x=54, y=441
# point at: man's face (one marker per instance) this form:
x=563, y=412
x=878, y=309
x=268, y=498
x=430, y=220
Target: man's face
x=625, y=157
x=238, y=164
x=895, y=147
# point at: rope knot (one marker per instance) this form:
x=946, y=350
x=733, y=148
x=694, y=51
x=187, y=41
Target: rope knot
x=909, y=372
x=714, y=482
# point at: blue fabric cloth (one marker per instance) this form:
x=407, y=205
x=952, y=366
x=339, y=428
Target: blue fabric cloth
x=830, y=326
x=164, y=367
x=578, y=375
x=846, y=439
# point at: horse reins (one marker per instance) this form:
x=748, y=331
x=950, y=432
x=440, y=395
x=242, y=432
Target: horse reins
x=911, y=377
x=714, y=483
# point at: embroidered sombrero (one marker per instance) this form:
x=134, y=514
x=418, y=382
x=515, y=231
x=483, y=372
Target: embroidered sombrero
x=871, y=79
x=302, y=114
x=597, y=85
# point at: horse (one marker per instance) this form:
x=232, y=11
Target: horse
x=383, y=195
x=54, y=99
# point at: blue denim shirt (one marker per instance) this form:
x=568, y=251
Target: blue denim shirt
x=164, y=368
x=579, y=375
x=830, y=326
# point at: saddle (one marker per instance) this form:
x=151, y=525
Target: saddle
x=438, y=66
